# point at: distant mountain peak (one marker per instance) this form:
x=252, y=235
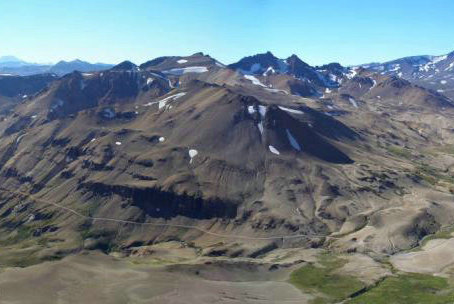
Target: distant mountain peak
x=258, y=63
x=75, y=61
x=125, y=65
x=9, y=58
x=65, y=67
x=268, y=55
x=293, y=57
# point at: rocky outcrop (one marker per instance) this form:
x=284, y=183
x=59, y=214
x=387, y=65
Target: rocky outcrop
x=158, y=203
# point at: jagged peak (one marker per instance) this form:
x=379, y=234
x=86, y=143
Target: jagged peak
x=293, y=57
x=259, y=56
x=332, y=66
x=257, y=63
x=295, y=60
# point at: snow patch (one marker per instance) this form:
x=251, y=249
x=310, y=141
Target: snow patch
x=181, y=71
x=276, y=91
x=162, y=139
x=394, y=67
x=162, y=103
x=268, y=71
x=118, y=143
x=353, y=102
x=192, y=153
x=438, y=59
x=254, y=80
x=273, y=150
x=450, y=66
x=374, y=83
x=443, y=81
x=18, y=139
x=181, y=61
x=260, y=127
x=150, y=81
x=293, y=141
x=352, y=73
x=291, y=110
x=262, y=110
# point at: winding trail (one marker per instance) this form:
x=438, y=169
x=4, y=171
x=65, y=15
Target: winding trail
x=105, y=219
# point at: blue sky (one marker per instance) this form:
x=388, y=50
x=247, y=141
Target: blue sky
x=346, y=31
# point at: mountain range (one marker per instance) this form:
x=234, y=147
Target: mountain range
x=435, y=72
x=266, y=162
x=11, y=65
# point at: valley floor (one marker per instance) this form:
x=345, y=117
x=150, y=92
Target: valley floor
x=171, y=272
x=98, y=278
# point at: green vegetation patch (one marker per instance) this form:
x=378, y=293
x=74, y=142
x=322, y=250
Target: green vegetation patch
x=19, y=257
x=433, y=175
x=448, y=149
x=409, y=288
x=324, y=282
x=400, y=152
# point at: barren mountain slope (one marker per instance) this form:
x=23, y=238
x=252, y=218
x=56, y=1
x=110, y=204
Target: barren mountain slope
x=182, y=148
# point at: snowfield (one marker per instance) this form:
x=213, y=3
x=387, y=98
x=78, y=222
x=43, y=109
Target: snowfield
x=162, y=103
x=254, y=80
x=181, y=71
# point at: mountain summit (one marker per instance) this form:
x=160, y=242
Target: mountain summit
x=6, y=59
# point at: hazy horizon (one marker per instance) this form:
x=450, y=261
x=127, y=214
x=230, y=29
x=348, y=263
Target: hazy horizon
x=183, y=55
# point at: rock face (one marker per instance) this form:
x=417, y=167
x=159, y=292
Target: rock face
x=193, y=150
x=158, y=203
